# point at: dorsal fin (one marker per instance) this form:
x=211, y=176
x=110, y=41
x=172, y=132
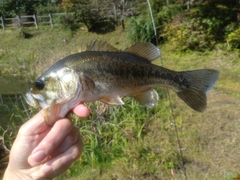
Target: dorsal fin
x=144, y=49
x=100, y=46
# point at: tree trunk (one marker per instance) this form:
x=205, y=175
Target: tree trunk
x=123, y=24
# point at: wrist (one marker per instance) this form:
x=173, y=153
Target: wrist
x=11, y=174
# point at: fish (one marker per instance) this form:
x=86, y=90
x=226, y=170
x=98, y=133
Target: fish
x=105, y=73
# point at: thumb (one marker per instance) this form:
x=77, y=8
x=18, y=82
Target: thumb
x=33, y=126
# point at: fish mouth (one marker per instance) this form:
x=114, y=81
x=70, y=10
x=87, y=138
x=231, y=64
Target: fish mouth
x=50, y=113
x=31, y=100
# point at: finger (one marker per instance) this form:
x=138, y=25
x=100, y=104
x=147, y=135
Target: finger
x=63, y=161
x=35, y=125
x=51, y=142
x=69, y=141
x=81, y=110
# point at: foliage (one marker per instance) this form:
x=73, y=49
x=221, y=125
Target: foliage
x=214, y=19
x=69, y=22
x=141, y=29
x=45, y=9
x=198, y=29
x=142, y=25
x=121, y=135
x=220, y=15
x=231, y=27
x=233, y=39
x=14, y=111
x=13, y=8
x=112, y=136
x=202, y=27
x=141, y=143
x=86, y=13
x=91, y=14
x=6, y=8
x=194, y=34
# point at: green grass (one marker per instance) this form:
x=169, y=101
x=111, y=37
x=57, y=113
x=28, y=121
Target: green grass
x=23, y=59
x=131, y=141
x=124, y=138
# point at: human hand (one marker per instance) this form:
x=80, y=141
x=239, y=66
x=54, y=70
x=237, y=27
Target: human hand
x=44, y=152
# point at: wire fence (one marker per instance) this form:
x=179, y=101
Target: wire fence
x=20, y=21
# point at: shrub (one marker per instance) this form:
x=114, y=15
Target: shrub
x=194, y=34
x=233, y=39
x=68, y=21
x=142, y=27
x=45, y=9
x=141, y=30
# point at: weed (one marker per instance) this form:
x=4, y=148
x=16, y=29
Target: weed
x=131, y=141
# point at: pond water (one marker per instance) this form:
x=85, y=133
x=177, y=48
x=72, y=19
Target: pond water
x=12, y=102
x=13, y=85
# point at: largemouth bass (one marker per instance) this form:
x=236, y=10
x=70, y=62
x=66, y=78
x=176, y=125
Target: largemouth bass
x=105, y=73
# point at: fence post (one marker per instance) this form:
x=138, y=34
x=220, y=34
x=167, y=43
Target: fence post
x=115, y=11
x=50, y=19
x=35, y=21
x=2, y=24
x=19, y=21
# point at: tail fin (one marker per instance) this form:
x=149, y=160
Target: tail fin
x=199, y=83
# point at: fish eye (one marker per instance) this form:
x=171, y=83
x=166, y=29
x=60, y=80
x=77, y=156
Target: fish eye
x=39, y=84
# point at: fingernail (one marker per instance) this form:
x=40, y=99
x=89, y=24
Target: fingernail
x=46, y=169
x=39, y=156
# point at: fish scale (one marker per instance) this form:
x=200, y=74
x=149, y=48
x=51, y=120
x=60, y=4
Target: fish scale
x=119, y=67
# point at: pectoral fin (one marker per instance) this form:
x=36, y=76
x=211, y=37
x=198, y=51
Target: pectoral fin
x=112, y=100
x=87, y=83
x=148, y=98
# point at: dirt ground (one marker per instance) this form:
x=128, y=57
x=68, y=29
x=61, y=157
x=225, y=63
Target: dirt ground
x=218, y=153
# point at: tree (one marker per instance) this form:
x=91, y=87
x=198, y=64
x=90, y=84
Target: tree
x=89, y=12
x=121, y=4
x=13, y=7
x=86, y=12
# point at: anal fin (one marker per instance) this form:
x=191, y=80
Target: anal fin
x=147, y=98
x=112, y=100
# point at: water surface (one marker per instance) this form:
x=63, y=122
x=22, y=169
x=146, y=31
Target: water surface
x=13, y=85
